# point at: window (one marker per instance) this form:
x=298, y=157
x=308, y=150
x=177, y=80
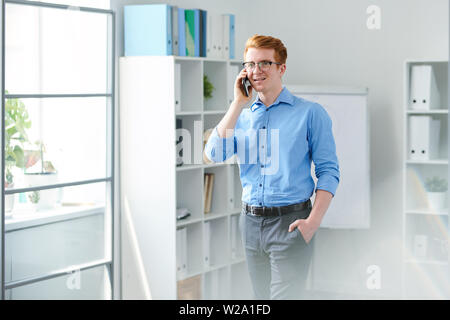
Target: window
x=58, y=157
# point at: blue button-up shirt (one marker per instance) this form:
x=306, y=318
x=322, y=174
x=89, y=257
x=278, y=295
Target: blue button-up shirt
x=275, y=145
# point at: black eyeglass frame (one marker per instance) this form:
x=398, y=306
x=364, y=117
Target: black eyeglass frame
x=259, y=63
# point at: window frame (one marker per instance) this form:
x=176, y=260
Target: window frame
x=109, y=179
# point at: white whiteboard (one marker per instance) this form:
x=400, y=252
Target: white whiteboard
x=347, y=108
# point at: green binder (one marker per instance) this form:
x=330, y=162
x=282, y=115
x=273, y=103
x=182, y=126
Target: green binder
x=190, y=32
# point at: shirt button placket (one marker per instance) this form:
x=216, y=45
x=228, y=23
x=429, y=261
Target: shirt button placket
x=264, y=151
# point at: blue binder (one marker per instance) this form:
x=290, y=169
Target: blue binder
x=148, y=30
x=232, y=40
x=181, y=33
x=203, y=32
x=197, y=32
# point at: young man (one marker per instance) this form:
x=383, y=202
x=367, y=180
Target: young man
x=277, y=220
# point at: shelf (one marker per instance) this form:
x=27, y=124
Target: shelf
x=187, y=221
x=189, y=113
x=433, y=162
x=200, y=166
x=22, y=220
x=214, y=112
x=431, y=262
x=426, y=211
x=217, y=215
x=435, y=111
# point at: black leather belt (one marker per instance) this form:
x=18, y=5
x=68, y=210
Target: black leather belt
x=275, y=211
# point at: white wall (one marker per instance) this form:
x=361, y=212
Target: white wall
x=328, y=43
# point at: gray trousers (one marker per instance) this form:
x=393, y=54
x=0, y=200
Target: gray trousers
x=278, y=260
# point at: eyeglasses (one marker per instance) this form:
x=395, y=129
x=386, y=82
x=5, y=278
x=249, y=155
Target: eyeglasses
x=263, y=65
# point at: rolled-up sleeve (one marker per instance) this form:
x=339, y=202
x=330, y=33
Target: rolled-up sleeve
x=323, y=150
x=219, y=149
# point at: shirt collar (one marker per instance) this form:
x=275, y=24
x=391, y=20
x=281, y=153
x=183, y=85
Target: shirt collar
x=284, y=96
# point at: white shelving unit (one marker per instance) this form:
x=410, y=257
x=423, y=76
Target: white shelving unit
x=425, y=260
x=152, y=97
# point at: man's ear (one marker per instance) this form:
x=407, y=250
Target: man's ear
x=282, y=69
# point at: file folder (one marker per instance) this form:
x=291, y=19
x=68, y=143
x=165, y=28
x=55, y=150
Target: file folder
x=197, y=21
x=226, y=36
x=424, y=94
x=214, y=35
x=203, y=32
x=190, y=32
x=175, y=46
x=177, y=87
x=181, y=32
x=207, y=244
x=148, y=30
x=234, y=236
x=209, y=41
x=181, y=252
x=232, y=36
x=423, y=137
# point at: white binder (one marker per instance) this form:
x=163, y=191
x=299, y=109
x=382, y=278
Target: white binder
x=181, y=252
x=177, y=87
x=225, y=36
x=209, y=36
x=215, y=285
x=423, y=137
x=215, y=21
x=424, y=94
x=207, y=244
x=234, y=236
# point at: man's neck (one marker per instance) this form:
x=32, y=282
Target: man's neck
x=268, y=98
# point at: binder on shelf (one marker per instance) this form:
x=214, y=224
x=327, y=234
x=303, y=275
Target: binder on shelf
x=177, y=87
x=207, y=244
x=233, y=72
x=190, y=32
x=205, y=191
x=423, y=137
x=203, y=32
x=420, y=246
x=148, y=30
x=175, y=46
x=232, y=36
x=181, y=32
x=209, y=182
x=209, y=40
x=190, y=288
x=178, y=143
x=215, y=285
x=234, y=236
x=424, y=94
x=214, y=35
x=181, y=252
x=226, y=36
x=197, y=22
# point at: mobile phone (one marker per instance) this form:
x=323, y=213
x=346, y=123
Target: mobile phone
x=246, y=83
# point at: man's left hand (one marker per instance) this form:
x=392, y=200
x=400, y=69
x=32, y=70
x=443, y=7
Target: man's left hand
x=307, y=228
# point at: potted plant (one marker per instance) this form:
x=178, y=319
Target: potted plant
x=16, y=123
x=437, y=192
x=40, y=172
x=208, y=87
